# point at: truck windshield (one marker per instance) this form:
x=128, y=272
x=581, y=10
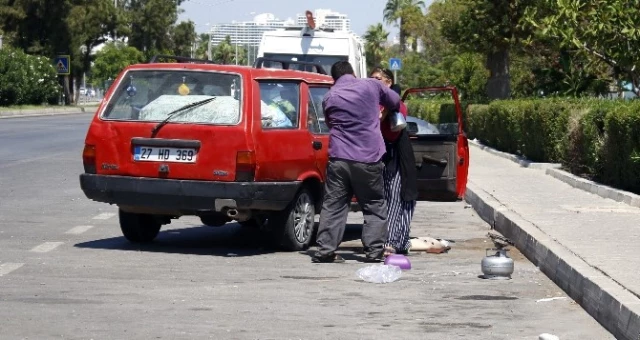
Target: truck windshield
x=151, y=95
x=325, y=60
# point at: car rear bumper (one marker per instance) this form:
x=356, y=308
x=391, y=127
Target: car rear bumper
x=187, y=196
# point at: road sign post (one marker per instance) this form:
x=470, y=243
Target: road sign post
x=62, y=63
x=395, y=64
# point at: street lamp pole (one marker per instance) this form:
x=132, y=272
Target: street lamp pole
x=236, y=44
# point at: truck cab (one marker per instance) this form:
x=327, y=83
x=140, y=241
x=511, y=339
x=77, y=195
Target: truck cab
x=320, y=46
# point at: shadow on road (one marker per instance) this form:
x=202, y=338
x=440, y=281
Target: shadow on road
x=231, y=240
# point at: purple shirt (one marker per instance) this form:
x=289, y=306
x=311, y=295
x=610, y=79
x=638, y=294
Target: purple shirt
x=352, y=110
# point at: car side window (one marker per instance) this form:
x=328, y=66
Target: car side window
x=316, y=121
x=279, y=104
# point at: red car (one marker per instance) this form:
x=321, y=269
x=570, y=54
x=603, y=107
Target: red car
x=225, y=143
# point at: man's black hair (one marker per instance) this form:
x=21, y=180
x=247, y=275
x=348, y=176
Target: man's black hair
x=341, y=68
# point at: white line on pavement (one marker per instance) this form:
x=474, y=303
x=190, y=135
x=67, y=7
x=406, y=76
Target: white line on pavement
x=79, y=229
x=104, y=216
x=8, y=267
x=46, y=247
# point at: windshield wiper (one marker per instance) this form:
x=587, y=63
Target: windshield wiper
x=175, y=112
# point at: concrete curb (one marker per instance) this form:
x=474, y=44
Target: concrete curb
x=53, y=111
x=523, y=162
x=613, y=306
x=554, y=170
x=595, y=188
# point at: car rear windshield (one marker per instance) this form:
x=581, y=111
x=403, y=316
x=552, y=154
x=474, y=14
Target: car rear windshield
x=150, y=95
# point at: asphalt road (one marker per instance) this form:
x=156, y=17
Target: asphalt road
x=67, y=273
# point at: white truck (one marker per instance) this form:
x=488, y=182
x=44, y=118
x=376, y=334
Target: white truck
x=318, y=46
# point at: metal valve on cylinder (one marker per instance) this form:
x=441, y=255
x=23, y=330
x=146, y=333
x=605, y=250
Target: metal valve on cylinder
x=498, y=266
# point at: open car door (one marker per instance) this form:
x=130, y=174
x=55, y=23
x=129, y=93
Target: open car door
x=440, y=146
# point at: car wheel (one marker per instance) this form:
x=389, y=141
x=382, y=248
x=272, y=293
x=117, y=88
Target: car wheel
x=139, y=228
x=293, y=228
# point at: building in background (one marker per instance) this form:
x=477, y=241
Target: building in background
x=247, y=33
x=326, y=18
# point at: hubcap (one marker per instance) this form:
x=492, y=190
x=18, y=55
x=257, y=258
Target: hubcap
x=303, y=218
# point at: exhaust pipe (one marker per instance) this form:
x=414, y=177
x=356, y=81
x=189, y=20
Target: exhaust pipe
x=240, y=216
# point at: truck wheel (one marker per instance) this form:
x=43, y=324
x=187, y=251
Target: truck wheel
x=139, y=228
x=293, y=227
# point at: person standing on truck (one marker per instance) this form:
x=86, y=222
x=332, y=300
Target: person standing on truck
x=400, y=177
x=355, y=165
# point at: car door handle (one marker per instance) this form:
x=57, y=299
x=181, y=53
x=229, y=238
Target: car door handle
x=317, y=145
x=431, y=160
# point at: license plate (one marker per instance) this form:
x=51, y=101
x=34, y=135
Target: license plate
x=161, y=154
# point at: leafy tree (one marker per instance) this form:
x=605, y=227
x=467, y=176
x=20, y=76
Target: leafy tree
x=602, y=30
x=397, y=11
x=375, y=38
x=151, y=22
x=112, y=59
x=224, y=52
x=184, y=38
x=37, y=26
x=90, y=23
x=203, y=46
x=466, y=71
x=492, y=28
x=429, y=30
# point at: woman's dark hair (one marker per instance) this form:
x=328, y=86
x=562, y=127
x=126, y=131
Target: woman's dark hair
x=341, y=68
x=389, y=75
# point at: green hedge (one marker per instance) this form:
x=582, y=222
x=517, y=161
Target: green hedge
x=435, y=111
x=26, y=79
x=594, y=138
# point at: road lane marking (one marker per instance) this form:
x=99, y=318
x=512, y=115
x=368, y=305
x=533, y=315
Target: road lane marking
x=8, y=267
x=46, y=247
x=104, y=216
x=79, y=229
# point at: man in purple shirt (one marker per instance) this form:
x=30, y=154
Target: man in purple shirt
x=356, y=147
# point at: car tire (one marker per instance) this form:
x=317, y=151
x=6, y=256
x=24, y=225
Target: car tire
x=139, y=228
x=293, y=228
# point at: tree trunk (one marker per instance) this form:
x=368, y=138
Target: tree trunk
x=498, y=85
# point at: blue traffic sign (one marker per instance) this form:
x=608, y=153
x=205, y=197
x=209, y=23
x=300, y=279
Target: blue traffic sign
x=62, y=64
x=395, y=64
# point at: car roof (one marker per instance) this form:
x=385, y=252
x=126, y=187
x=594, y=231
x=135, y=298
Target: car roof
x=245, y=71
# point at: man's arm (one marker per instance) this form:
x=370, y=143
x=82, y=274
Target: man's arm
x=388, y=98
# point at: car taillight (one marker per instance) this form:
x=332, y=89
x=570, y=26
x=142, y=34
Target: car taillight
x=245, y=166
x=89, y=159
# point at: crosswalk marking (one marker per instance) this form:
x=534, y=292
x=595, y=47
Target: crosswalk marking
x=46, y=247
x=8, y=267
x=79, y=229
x=104, y=216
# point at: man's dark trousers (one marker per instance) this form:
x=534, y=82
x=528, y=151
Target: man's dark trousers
x=344, y=179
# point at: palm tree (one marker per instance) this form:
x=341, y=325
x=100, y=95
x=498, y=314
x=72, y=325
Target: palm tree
x=224, y=52
x=375, y=37
x=394, y=13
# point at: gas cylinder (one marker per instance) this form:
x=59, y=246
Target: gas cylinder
x=498, y=266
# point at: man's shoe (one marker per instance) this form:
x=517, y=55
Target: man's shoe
x=327, y=259
x=374, y=259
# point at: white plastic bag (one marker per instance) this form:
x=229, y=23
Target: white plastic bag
x=379, y=273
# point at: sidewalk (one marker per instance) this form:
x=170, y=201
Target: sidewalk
x=48, y=111
x=587, y=244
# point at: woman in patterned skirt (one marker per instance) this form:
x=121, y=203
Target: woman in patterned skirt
x=399, y=178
